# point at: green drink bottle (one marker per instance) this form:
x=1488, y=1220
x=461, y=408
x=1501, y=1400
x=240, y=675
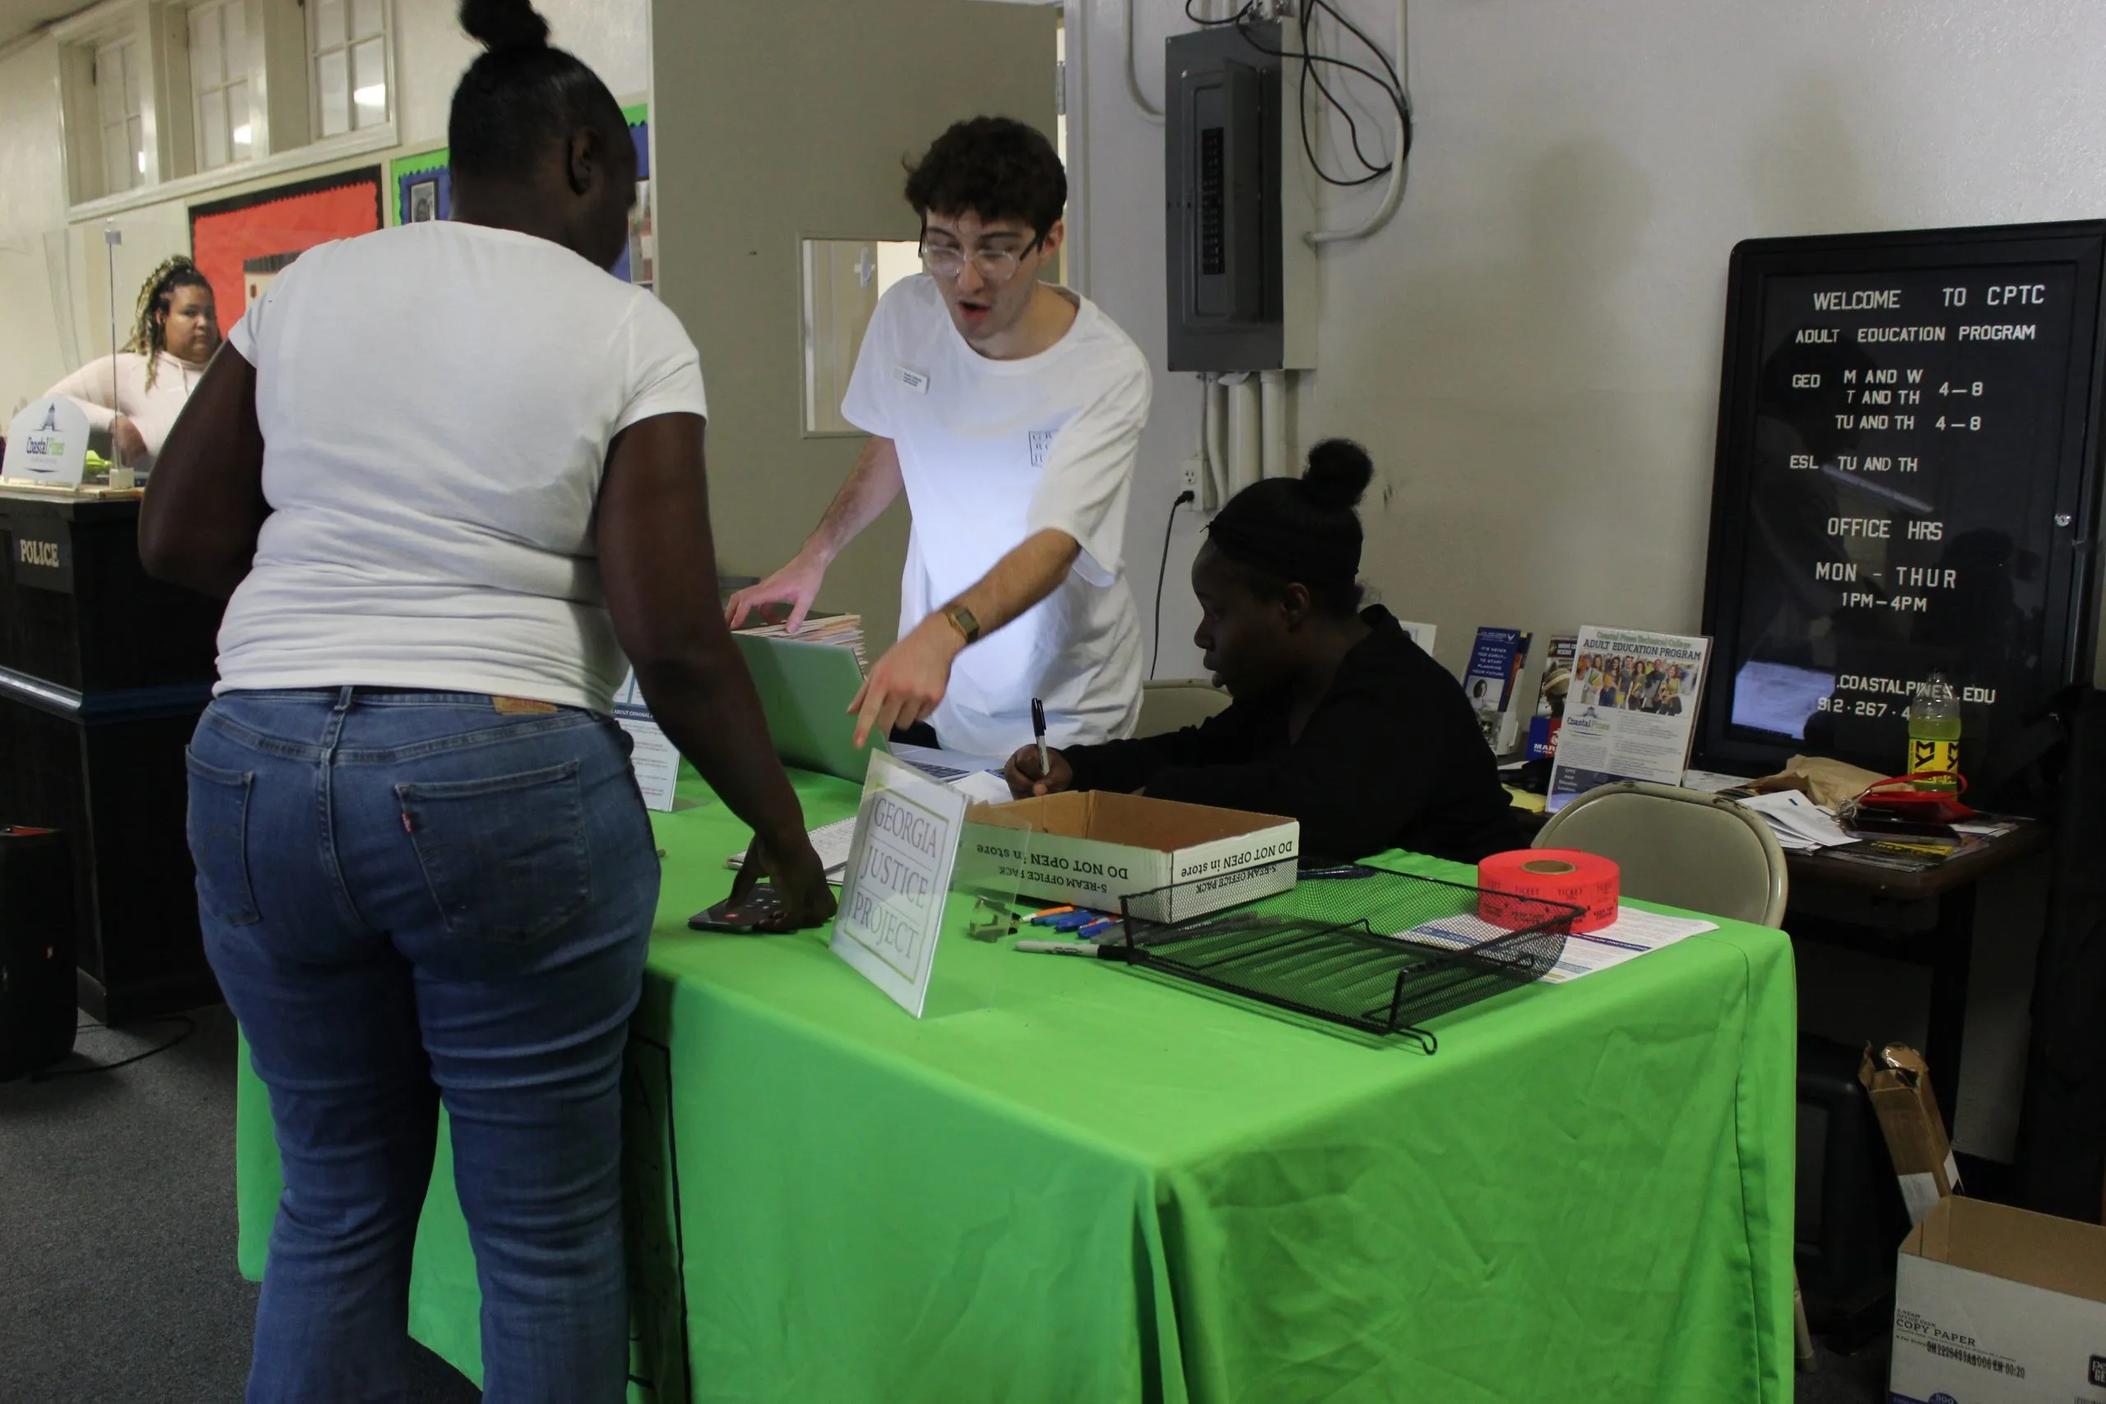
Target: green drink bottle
x=1934, y=735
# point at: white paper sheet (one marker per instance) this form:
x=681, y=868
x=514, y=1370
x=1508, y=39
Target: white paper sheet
x=983, y=787
x=1634, y=933
x=830, y=841
x=1797, y=821
x=1711, y=781
x=656, y=761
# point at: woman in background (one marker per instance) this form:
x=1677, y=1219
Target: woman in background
x=135, y=396
x=1339, y=721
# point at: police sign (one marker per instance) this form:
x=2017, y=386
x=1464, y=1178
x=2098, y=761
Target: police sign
x=40, y=552
x=47, y=444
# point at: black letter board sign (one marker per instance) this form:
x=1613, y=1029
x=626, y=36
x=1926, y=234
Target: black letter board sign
x=1908, y=447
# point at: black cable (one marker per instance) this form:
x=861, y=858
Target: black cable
x=1309, y=70
x=189, y=1027
x=1164, y=569
x=1396, y=83
x=1397, y=98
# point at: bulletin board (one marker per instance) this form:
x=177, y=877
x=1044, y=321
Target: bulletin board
x=227, y=234
x=422, y=190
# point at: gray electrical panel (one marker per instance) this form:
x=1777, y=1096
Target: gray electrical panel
x=1236, y=259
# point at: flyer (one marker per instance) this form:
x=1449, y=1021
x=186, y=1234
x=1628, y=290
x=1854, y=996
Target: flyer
x=654, y=758
x=1630, y=712
x=1550, y=696
x=1492, y=682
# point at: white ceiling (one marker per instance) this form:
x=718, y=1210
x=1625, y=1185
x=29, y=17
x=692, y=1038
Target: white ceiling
x=19, y=17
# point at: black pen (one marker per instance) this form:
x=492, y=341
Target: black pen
x=1038, y=729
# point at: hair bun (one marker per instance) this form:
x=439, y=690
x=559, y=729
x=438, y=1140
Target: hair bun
x=504, y=24
x=1338, y=473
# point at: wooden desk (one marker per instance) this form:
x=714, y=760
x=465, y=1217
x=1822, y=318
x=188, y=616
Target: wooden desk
x=1924, y=918
x=103, y=673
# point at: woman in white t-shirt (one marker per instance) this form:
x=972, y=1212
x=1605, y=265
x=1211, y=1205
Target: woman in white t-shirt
x=135, y=395
x=450, y=474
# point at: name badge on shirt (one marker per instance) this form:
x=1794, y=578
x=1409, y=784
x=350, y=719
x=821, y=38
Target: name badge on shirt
x=914, y=380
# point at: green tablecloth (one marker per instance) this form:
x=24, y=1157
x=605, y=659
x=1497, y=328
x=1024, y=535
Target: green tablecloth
x=1096, y=1186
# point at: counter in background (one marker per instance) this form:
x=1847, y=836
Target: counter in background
x=103, y=673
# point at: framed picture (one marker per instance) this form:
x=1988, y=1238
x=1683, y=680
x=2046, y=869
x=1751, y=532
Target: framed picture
x=423, y=201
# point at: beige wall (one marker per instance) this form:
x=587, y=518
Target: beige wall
x=1531, y=348
x=35, y=345
x=54, y=281
x=786, y=119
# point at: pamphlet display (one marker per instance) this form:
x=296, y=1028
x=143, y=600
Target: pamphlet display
x=47, y=444
x=1550, y=697
x=1630, y=713
x=655, y=759
x=898, y=879
x=1493, y=682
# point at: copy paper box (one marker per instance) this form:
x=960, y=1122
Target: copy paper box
x=1994, y=1305
x=1094, y=848
x=1897, y=1080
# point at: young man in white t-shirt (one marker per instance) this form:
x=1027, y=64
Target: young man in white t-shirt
x=1009, y=410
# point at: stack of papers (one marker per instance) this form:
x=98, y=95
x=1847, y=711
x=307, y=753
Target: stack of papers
x=843, y=629
x=1801, y=826
x=1634, y=933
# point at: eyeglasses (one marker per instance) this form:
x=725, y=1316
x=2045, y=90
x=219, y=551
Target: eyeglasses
x=993, y=265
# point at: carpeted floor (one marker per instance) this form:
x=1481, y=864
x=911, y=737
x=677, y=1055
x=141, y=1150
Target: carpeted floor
x=117, y=1276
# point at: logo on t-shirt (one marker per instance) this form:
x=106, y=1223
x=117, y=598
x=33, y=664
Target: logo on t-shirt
x=913, y=379
x=1041, y=443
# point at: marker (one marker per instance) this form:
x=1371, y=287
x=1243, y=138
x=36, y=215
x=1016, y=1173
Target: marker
x=1039, y=918
x=1038, y=729
x=1073, y=921
x=1075, y=948
x=1090, y=932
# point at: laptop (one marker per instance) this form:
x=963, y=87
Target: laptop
x=805, y=689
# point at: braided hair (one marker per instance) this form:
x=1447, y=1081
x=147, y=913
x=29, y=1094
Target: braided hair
x=157, y=296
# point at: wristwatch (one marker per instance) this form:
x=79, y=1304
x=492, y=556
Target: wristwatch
x=962, y=620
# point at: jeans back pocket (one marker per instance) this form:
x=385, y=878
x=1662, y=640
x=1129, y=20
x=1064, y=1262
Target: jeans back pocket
x=506, y=858
x=217, y=827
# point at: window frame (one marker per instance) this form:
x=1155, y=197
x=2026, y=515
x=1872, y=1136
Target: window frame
x=133, y=80
x=348, y=45
x=284, y=139
x=231, y=75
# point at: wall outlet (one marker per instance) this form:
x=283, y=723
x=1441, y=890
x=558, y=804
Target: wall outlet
x=1192, y=478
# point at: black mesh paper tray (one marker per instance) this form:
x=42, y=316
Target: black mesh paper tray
x=1343, y=950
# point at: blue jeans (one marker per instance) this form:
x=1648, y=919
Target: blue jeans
x=409, y=899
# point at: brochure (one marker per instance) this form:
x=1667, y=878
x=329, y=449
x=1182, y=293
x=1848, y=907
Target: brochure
x=1550, y=696
x=1492, y=682
x=1630, y=713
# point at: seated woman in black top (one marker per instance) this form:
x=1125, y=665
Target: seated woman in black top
x=1338, y=719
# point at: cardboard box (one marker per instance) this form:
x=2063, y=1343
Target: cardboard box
x=1994, y=1305
x=1094, y=848
x=1897, y=1080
